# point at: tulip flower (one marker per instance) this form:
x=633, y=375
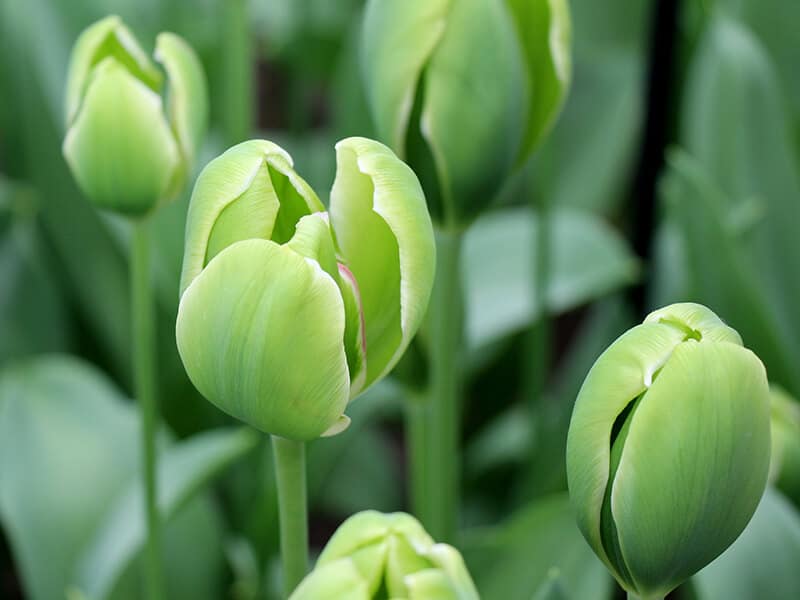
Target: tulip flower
x=132, y=127
x=375, y=555
x=288, y=312
x=669, y=447
x=480, y=81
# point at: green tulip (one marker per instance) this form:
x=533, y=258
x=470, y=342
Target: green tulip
x=474, y=84
x=132, y=129
x=376, y=555
x=785, y=464
x=288, y=312
x=669, y=447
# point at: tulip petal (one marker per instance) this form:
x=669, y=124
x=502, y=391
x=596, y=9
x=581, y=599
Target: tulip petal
x=120, y=147
x=187, y=93
x=472, y=112
x=402, y=560
x=544, y=28
x=339, y=580
x=313, y=239
x=619, y=375
x=278, y=199
x=685, y=487
x=384, y=233
x=697, y=320
x=409, y=29
x=429, y=584
x=449, y=560
x=287, y=376
x=106, y=38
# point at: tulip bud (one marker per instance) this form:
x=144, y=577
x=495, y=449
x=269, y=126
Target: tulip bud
x=128, y=148
x=668, y=448
x=375, y=555
x=288, y=312
x=479, y=80
x=785, y=464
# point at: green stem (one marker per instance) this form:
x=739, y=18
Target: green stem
x=290, y=475
x=144, y=373
x=440, y=503
x=417, y=430
x=632, y=596
x=238, y=106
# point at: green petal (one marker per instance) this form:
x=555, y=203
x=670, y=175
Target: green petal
x=430, y=584
x=338, y=580
x=450, y=561
x=187, y=94
x=370, y=527
x=472, y=112
x=260, y=334
x=702, y=322
x=544, y=29
x=267, y=169
x=694, y=465
x=401, y=561
x=398, y=39
x=120, y=147
x=313, y=239
x=106, y=38
x=619, y=375
x=384, y=233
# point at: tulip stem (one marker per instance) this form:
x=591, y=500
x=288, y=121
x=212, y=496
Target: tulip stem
x=632, y=596
x=238, y=116
x=290, y=475
x=439, y=498
x=144, y=373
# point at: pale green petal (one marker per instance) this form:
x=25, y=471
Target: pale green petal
x=370, y=527
x=227, y=179
x=619, y=375
x=544, y=30
x=120, y=147
x=402, y=560
x=398, y=39
x=694, y=464
x=384, y=234
x=472, y=111
x=284, y=376
x=313, y=239
x=450, y=561
x=106, y=38
x=187, y=93
x=338, y=580
x=702, y=322
x=430, y=584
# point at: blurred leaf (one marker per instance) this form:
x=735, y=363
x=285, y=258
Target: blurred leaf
x=32, y=315
x=68, y=449
x=736, y=125
x=763, y=560
x=589, y=261
x=516, y=559
x=722, y=274
x=183, y=470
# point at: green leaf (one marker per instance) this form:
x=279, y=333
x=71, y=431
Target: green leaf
x=515, y=559
x=736, y=125
x=588, y=260
x=68, y=449
x=765, y=557
x=183, y=471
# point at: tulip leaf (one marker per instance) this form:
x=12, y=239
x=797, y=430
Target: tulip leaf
x=515, y=559
x=183, y=471
x=737, y=126
x=588, y=260
x=543, y=26
x=765, y=557
x=68, y=449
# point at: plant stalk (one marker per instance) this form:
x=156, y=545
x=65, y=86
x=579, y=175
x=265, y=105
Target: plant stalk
x=440, y=501
x=290, y=475
x=238, y=114
x=632, y=596
x=144, y=374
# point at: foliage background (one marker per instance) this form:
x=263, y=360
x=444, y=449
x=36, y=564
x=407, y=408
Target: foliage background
x=674, y=171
